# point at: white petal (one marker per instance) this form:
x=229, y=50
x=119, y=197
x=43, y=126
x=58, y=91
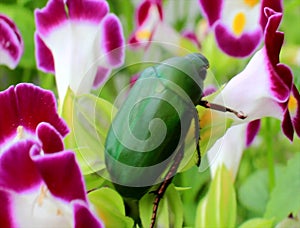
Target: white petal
x=228, y=150
x=250, y=92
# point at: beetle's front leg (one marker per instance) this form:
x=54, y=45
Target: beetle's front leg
x=164, y=185
x=221, y=108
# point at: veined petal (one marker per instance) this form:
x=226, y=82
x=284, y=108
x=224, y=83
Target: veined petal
x=11, y=43
x=83, y=216
x=36, y=105
x=52, y=168
x=24, y=107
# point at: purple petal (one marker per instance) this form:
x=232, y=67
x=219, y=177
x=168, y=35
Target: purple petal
x=9, y=114
x=61, y=174
x=11, y=43
x=252, y=130
x=242, y=46
x=287, y=126
x=43, y=55
x=51, y=16
x=50, y=137
x=113, y=41
x=143, y=10
x=36, y=105
x=17, y=171
x=276, y=5
x=6, y=219
x=87, y=10
x=296, y=116
x=211, y=10
x=83, y=216
x=190, y=35
x=281, y=75
x=101, y=76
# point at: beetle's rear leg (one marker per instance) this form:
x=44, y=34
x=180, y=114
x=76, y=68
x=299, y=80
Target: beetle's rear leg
x=197, y=136
x=221, y=108
x=164, y=185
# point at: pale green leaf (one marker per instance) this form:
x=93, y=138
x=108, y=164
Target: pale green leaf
x=89, y=119
x=109, y=206
x=218, y=208
x=254, y=192
x=258, y=223
x=285, y=197
x=170, y=213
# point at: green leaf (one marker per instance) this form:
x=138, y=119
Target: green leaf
x=89, y=119
x=258, y=223
x=285, y=197
x=254, y=192
x=25, y=22
x=170, y=213
x=110, y=208
x=93, y=181
x=218, y=207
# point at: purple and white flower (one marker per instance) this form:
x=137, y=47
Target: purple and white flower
x=151, y=27
x=36, y=188
x=11, y=42
x=264, y=88
x=238, y=25
x=79, y=41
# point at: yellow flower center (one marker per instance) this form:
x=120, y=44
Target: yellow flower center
x=292, y=105
x=251, y=3
x=239, y=23
x=143, y=35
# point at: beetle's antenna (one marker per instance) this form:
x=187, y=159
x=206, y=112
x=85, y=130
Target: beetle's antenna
x=222, y=108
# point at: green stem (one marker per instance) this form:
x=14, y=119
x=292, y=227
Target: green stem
x=270, y=153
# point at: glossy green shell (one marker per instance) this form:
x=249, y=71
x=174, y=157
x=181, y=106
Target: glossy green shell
x=153, y=122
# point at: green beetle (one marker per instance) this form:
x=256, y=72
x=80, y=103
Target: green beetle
x=151, y=125
x=148, y=133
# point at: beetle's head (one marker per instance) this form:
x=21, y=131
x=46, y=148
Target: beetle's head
x=200, y=64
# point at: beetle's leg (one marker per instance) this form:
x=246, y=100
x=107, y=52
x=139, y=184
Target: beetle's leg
x=164, y=185
x=197, y=136
x=222, y=108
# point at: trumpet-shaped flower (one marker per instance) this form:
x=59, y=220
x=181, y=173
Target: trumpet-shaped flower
x=238, y=25
x=150, y=26
x=11, y=42
x=36, y=189
x=264, y=88
x=79, y=41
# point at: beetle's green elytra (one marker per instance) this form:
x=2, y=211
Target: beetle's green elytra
x=153, y=122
